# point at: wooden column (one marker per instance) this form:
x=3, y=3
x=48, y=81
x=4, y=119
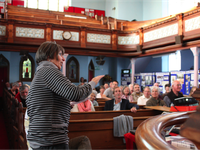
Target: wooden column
x=133, y=69
x=10, y=32
x=49, y=37
x=139, y=47
x=195, y=51
x=179, y=37
x=83, y=37
x=114, y=39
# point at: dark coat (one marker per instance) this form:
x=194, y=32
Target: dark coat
x=125, y=105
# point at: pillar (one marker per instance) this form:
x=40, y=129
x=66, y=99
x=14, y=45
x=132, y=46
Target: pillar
x=195, y=51
x=133, y=69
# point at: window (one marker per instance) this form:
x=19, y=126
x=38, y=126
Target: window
x=72, y=70
x=54, y=5
x=175, y=61
x=26, y=68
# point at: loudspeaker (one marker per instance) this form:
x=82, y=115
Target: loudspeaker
x=100, y=60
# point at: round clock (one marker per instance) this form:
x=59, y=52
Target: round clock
x=67, y=35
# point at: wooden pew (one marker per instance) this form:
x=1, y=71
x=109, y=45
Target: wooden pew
x=98, y=108
x=100, y=132
x=111, y=114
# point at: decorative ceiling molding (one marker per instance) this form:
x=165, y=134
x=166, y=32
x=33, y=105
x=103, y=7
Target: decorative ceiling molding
x=57, y=35
x=161, y=32
x=192, y=24
x=2, y=30
x=29, y=32
x=128, y=40
x=98, y=38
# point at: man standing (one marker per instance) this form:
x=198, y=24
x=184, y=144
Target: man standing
x=175, y=93
x=144, y=98
x=109, y=91
x=21, y=96
x=118, y=103
x=136, y=94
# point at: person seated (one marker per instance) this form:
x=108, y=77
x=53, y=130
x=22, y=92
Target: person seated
x=173, y=94
x=84, y=106
x=142, y=100
x=14, y=90
x=167, y=90
x=21, y=96
x=126, y=94
x=20, y=83
x=92, y=98
x=131, y=88
x=109, y=91
x=118, y=103
x=137, y=93
x=7, y=86
x=101, y=95
x=155, y=100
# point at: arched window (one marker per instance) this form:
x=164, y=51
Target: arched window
x=72, y=70
x=175, y=61
x=27, y=68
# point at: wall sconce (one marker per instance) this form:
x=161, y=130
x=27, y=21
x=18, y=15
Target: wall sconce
x=113, y=8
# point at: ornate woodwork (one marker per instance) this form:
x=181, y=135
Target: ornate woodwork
x=26, y=29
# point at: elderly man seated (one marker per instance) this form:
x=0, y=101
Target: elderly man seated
x=21, y=96
x=155, y=100
x=137, y=93
x=144, y=98
x=118, y=103
x=175, y=93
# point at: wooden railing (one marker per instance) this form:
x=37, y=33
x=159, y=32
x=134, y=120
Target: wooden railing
x=148, y=134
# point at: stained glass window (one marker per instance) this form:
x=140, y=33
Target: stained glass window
x=26, y=69
x=72, y=69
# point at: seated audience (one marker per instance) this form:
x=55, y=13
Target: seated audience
x=193, y=89
x=167, y=90
x=131, y=88
x=85, y=106
x=15, y=88
x=109, y=91
x=174, y=93
x=156, y=84
x=7, y=84
x=126, y=94
x=101, y=95
x=20, y=83
x=106, y=86
x=118, y=103
x=137, y=93
x=155, y=100
x=92, y=98
x=142, y=100
x=21, y=96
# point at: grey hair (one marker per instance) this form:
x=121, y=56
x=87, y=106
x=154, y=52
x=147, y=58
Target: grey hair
x=95, y=92
x=155, y=87
x=23, y=87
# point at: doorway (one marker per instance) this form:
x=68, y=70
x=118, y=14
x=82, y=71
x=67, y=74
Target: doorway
x=91, y=71
x=4, y=75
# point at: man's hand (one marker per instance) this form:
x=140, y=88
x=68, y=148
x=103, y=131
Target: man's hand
x=133, y=109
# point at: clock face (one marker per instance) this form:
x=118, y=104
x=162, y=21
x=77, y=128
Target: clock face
x=67, y=35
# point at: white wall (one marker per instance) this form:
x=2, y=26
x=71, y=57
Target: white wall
x=152, y=9
x=93, y=4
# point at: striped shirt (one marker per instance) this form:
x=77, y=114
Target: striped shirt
x=48, y=105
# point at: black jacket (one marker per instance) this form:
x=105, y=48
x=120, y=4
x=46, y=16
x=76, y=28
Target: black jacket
x=125, y=105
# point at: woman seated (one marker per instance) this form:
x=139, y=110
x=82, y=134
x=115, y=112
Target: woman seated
x=15, y=88
x=155, y=100
x=101, y=95
x=87, y=105
x=126, y=94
